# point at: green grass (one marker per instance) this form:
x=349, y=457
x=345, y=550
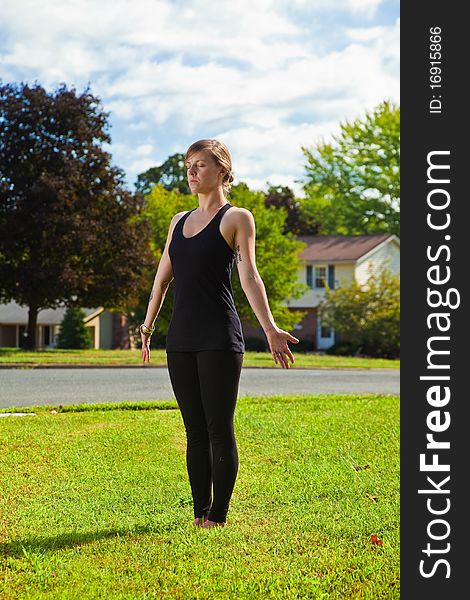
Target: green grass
x=96, y=503
x=158, y=357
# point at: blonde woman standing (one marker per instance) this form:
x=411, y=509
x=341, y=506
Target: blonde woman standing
x=204, y=343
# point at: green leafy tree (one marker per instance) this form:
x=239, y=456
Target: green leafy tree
x=366, y=316
x=73, y=331
x=276, y=254
x=171, y=174
x=276, y=258
x=160, y=206
x=69, y=230
x=353, y=184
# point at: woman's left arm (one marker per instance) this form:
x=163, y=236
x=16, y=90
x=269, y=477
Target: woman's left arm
x=255, y=291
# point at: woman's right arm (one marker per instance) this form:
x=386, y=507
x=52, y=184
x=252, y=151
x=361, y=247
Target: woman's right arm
x=163, y=278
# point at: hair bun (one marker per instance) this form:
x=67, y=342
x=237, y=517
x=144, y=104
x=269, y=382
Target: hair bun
x=227, y=182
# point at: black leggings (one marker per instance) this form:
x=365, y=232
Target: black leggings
x=205, y=384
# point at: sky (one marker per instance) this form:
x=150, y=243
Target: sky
x=266, y=77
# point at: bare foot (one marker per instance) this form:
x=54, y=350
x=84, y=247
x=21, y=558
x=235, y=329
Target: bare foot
x=208, y=524
x=199, y=521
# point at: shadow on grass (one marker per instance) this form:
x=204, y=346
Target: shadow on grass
x=35, y=544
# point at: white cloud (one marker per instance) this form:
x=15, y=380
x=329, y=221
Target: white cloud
x=139, y=165
x=365, y=34
x=367, y=8
x=137, y=126
x=277, y=152
x=171, y=72
x=144, y=149
x=121, y=108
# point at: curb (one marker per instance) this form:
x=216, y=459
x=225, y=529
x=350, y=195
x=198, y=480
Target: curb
x=150, y=366
x=76, y=366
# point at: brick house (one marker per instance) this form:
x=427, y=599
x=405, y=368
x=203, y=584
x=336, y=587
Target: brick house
x=334, y=259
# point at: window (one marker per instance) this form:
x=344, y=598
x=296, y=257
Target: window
x=309, y=276
x=316, y=279
x=320, y=277
x=325, y=332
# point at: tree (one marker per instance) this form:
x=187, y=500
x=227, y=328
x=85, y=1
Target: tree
x=73, y=331
x=69, y=232
x=276, y=254
x=277, y=259
x=298, y=222
x=171, y=174
x=160, y=206
x=366, y=316
x=353, y=184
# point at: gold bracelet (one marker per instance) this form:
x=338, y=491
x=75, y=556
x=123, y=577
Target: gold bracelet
x=145, y=330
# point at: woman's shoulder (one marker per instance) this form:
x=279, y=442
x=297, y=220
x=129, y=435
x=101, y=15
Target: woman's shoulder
x=241, y=220
x=241, y=215
x=240, y=212
x=177, y=216
x=174, y=220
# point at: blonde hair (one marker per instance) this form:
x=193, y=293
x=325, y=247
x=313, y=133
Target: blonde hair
x=220, y=154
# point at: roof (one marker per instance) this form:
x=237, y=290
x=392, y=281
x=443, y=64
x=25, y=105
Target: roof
x=340, y=247
x=15, y=314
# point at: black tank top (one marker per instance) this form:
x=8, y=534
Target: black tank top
x=204, y=316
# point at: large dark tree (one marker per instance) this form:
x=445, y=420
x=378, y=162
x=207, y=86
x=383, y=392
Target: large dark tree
x=298, y=222
x=69, y=230
x=171, y=174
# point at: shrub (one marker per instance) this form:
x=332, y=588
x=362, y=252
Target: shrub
x=302, y=346
x=366, y=316
x=73, y=331
x=343, y=348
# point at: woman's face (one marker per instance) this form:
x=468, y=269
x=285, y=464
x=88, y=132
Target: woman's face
x=204, y=174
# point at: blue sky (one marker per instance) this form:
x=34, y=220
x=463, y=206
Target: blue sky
x=264, y=76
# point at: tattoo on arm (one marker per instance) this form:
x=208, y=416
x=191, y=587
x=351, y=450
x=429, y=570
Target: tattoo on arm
x=151, y=295
x=238, y=254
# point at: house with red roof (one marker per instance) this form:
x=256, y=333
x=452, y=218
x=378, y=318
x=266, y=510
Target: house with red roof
x=330, y=258
x=334, y=259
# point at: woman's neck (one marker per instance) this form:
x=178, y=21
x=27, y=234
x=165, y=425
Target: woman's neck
x=211, y=201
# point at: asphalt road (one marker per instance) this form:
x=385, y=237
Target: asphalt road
x=33, y=387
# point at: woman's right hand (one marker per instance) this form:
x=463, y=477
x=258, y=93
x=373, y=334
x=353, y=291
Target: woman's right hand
x=145, y=347
x=277, y=340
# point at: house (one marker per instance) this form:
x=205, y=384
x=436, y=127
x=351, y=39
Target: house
x=108, y=330
x=334, y=259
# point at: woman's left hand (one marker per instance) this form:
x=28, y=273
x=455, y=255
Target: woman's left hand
x=145, y=352
x=277, y=340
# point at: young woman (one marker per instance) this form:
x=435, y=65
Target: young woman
x=204, y=343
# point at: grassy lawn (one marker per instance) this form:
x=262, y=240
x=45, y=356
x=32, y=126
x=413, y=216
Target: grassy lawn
x=158, y=357
x=96, y=503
